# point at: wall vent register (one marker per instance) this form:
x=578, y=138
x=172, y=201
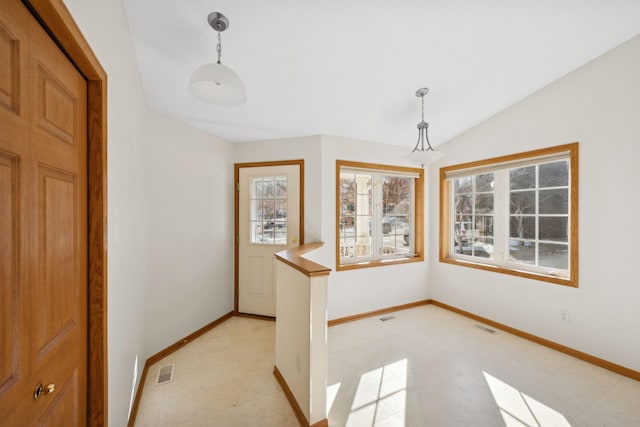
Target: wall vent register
x=165, y=374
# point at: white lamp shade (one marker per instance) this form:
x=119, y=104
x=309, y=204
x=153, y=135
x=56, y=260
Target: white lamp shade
x=424, y=157
x=218, y=85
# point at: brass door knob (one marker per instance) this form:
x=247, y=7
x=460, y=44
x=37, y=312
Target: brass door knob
x=40, y=390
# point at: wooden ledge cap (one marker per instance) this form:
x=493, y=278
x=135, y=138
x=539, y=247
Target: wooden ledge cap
x=293, y=258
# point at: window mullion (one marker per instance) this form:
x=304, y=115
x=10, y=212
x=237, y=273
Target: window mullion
x=376, y=232
x=500, y=217
x=473, y=215
x=537, y=215
x=412, y=219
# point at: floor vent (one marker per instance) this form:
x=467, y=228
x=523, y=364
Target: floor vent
x=384, y=319
x=484, y=328
x=165, y=374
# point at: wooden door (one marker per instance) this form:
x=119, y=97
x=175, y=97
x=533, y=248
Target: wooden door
x=43, y=227
x=269, y=221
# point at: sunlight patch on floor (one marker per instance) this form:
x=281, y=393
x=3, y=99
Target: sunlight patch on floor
x=381, y=397
x=519, y=410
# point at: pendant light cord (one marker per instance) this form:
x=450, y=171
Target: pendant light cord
x=219, y=49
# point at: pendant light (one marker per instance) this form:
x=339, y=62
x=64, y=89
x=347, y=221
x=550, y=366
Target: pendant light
x=215, y=83
x=420, y=155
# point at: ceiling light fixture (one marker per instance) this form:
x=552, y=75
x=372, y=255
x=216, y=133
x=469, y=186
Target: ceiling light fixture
x=420, y=155
x=215, y=83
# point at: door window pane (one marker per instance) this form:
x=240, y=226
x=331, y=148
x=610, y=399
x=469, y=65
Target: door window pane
x=268, y=210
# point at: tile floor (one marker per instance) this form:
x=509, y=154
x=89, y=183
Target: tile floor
x=426, y=367
x=223, y=378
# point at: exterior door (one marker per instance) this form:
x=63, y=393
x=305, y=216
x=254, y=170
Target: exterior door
x=43, y=228
x=268, y=221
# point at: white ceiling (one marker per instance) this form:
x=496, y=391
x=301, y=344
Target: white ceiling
x=351, y=67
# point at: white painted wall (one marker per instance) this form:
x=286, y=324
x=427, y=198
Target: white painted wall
x=189, y=254
x=301, y=338
x=292, y=332
x=318, y=346
x=599, y=106
x=105, y=27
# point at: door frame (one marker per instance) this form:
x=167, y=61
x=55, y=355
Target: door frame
x=236, y=211
x=56, y=19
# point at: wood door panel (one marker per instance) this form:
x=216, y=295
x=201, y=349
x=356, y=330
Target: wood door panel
x=55, y=296
x=63, y=408
x=56, y=107
x=256, y=276
x=43, y=227
x=9, y=70
x=9, y=261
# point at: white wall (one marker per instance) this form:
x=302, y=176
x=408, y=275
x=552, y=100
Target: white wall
x=292, y=353
x=189, y=254
x=105, y=27
x=301, y=338
x=597, y=105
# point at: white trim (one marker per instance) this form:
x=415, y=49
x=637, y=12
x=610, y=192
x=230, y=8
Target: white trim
x=479, y=170
x=386, y=172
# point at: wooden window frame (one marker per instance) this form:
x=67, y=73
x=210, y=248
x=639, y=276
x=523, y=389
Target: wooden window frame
x=418, y=215
x=485, y=166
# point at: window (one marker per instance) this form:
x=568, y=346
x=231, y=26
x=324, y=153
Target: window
x=268, y=210
x=515, y=214
x=379, y=218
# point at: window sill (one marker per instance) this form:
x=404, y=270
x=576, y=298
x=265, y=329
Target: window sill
x=379, y=263
x=572, y=282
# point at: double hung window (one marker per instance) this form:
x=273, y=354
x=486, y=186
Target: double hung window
x=379, y=214
x=514, y=214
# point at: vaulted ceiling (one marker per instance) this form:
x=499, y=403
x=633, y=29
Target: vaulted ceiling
x=351, y=67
